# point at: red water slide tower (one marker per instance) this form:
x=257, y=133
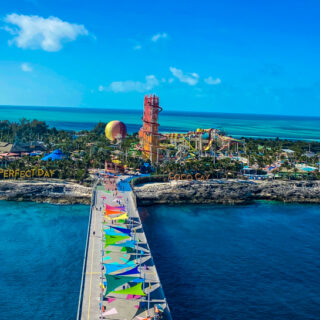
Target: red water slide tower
x=148, y=134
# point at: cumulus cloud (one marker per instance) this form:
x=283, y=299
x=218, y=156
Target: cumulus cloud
x=190, y=78
x=25, y=67
x=127, y=86
x=159, y=36
x=212, y=81
x=34, y=32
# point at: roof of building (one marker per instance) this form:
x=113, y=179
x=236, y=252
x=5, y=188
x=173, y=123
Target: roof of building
x=288, y=150
x=309, y=154
x=5, y=147
x=27, y=147
x=20, y=147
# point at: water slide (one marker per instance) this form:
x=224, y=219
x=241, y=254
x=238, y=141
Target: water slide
x=213, y=134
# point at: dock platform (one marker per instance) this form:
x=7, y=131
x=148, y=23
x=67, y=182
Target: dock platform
x=120, y=280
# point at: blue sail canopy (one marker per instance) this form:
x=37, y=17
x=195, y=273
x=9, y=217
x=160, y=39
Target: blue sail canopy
x=111, y=232
x=127, y=244
x=123, y=230
x=116, y=267
x=131, y=271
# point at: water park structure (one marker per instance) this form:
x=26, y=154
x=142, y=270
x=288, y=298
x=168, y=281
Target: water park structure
x=158, y=147
x=148, y=134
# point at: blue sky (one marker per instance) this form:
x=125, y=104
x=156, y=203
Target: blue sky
x=211, y=56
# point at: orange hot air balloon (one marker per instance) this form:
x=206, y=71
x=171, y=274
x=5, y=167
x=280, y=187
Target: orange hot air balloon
x=115, y=130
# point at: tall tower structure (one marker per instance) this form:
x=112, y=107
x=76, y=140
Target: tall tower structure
x=148, y=134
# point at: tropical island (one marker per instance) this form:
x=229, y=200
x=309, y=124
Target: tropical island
x=33, y=153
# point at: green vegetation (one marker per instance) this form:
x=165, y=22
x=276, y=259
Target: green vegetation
x=90, y=149
x=283, y=155
x=84, y=149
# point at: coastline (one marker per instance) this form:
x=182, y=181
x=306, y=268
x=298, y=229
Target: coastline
x=174, y=192
x=226, y=192
x=55, y=192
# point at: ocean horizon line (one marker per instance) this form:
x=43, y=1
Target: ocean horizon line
x=164, y=112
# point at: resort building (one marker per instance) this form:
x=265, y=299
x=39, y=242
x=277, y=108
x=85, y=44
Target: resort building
x=12, y=151
x=20, y=149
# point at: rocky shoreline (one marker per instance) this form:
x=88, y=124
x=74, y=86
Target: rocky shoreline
x=174, y=192
x=56, y=192
x=226, y=192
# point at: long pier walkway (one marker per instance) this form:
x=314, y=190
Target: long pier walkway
x=119, y=280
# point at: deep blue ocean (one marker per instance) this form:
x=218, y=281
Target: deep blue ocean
x=41, y=254
x=257, y=261
x=237, y=125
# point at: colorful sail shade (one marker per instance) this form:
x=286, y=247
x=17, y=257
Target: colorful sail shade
x=123, y=230
x=127, y=244
x=123, y=216
x=135, y=290
x=115, y=267
x=114, y=282
x=132, y=271
x=111, y=240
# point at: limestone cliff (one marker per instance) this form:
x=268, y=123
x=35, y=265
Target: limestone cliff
x=51, y=192
x=227, y=192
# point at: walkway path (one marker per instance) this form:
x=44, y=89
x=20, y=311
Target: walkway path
x=100, y=259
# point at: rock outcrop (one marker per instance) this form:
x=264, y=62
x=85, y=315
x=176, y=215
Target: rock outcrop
x=227, y=192
x=50, y=192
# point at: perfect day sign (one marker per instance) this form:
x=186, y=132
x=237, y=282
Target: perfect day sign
x=25, y=174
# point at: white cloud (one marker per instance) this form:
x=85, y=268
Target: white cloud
x=34, y=32
x=26, y=67
x=212, y=81
x=158, y=36
x=129, y=85
x=190, y=78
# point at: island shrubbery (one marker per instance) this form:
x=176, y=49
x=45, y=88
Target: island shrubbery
x=89, y=149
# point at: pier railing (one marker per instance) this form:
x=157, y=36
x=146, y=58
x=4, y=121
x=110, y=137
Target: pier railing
x=84, y=268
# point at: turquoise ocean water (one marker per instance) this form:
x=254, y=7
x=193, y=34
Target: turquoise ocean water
x=259, y=261
x=41, y=254
x=238, y=125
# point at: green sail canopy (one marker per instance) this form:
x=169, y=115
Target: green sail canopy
x=114, y=239
x=114, y=282
x=135, y=290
